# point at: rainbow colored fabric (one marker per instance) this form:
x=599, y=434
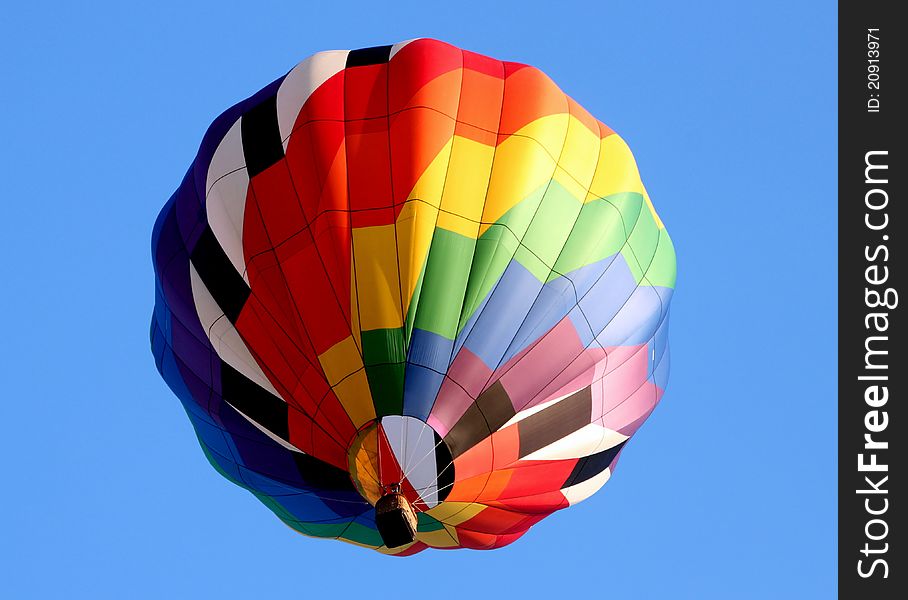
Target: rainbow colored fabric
x=413, y=264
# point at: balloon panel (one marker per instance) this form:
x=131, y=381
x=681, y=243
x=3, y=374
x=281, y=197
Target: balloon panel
x=420, y=266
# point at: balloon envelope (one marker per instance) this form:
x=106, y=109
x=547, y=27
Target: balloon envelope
x=413, y=265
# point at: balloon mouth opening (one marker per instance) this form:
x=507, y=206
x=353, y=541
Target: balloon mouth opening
x=401, y=457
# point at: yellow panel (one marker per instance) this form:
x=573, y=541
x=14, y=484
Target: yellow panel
x=390, y=551
x=415, y=226
x=439, y=538
x=354, y=395
x=521, y=166
x=455, y=513
x=381, y=549
x=363, y=462
x=578, y=161
x=354, y=313
x=652, y=210
x=340, y=360
x=431, y=182
x=377, y=279
x=466, y=186
x=453, y=533
x=617, y=171
x=549, y=131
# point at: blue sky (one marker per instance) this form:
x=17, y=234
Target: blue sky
x=728, y=491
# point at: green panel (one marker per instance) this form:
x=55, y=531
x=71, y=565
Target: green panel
x=549, y=230
x=518, y=218
x=326, y=530
x=426, y=523
x=444, y=283
x=387, y=385
x=663, y=270
x=494, y=250
x=641, y=244
x=385, y=355
x=362, y=535
x=598, y=233
x=275, y=507
x=532, y=263
x=414, y=305
x=296, y=526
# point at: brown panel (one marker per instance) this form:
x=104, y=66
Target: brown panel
x=491, y=410
x=553, y=423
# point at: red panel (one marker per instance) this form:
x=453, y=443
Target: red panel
x=543, y=504
x=528, y=95
x=276, y=199
x=481, y=98
x=310, y=152
x=503, y=540
x=311, y=388
x=368, y=164
x=270, y=344
x=482, y=136
x=416, y=547
x=475, y=461
x=317, y=161
x=366, y=92
x=499, y=521
x=313, y=293
x=417, y=136
x=334, y=244
x=331, y=411
x=417, y=64
x=389, y=470
x=475, y=539
x=325, y=103
x=326, y=448
x=300, y=426
x=537, y=477
x=483, y=64
x=506, y=446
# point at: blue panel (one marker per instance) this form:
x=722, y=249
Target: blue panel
x=428, y=358
x=421, y=386
x=502, y=315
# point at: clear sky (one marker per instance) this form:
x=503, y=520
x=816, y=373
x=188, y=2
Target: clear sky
x=728, y=491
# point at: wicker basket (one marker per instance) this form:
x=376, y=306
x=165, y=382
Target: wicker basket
x=396, y=520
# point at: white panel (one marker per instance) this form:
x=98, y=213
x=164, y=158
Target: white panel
x=413, y=445
x=280, y=441
x=299, y=84
x=224, y=337
x=587, y=440
x=225, y=199
x=585, y=489
x=398, y=46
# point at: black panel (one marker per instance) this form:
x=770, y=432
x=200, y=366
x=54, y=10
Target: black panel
x=555, y=422
x=262, y=145
x=227, y=286
x=320, y=474
x=376, y=55
x=491, y=410
x=590, y=466
x=444, y=466
x=256, y=403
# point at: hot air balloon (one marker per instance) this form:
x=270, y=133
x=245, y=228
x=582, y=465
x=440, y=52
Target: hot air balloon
x=413, y=297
